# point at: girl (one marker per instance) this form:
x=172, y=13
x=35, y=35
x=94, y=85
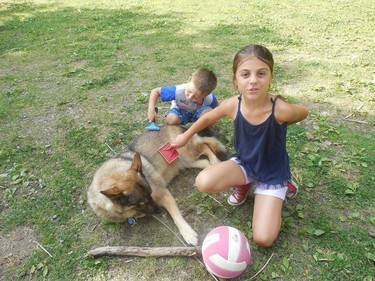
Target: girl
x=260, y=126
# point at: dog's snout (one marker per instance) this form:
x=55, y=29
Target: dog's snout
x=150, y=209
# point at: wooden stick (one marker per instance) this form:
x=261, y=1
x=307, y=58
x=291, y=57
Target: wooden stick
x=110, y=148
x=145, y=251
x=43, y=248
x=155, y=217
x=357, y=121
x=264, y=266
x=359, y=107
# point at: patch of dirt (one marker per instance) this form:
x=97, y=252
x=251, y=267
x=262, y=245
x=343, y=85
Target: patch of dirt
x=15, y=248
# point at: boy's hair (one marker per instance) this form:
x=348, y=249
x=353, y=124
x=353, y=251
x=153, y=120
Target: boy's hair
x=258, y=51
x=204, y=80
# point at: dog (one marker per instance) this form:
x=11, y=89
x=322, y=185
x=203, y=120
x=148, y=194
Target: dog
x=134, y=183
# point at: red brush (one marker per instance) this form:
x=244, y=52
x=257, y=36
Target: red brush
x=169, y=153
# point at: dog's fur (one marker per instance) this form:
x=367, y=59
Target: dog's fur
x=134, y=183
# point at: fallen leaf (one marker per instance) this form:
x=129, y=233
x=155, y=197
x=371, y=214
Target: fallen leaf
x=370, y=256
x=309, y=136
x=318, y=232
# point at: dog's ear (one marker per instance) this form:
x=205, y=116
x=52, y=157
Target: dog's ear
x=137, y=163
x=112, y=193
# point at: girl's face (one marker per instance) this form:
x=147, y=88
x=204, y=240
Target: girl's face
x=253, y=77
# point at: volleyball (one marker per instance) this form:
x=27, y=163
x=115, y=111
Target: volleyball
x=226, y=252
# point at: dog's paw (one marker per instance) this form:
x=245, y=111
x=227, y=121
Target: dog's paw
x=190, y=236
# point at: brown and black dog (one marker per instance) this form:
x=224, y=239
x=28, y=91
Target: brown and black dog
x=134, y=183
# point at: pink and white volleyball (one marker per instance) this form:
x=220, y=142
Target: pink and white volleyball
x=226, y=252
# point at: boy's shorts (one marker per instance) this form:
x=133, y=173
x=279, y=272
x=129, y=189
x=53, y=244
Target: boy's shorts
x=188, y=117
x=276, y=190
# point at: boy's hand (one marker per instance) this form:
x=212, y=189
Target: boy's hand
x=152, y=112
x=180, y=141
x=152, y=115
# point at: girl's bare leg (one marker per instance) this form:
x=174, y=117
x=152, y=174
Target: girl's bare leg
x=266, y=219
x=267, y=209
x=220, y=177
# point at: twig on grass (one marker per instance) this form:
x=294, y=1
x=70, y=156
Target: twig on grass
x=212, y=215
x=264, y=266
x=324, y=260
x=217, y=201
x=356, y=121
x=170, y=230
x=358, y=108
x=95, y=226
x=110, y=148
x=43, y=248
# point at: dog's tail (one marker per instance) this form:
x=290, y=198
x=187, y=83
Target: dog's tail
x=217, y=148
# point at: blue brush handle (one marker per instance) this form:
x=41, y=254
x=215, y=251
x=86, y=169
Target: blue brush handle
x=153, y=126
x=157, y=111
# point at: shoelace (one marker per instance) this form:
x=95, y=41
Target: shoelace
x=291, y=188
x=239, y=192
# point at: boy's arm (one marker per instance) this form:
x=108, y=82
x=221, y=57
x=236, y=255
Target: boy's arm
x=154, y=96
x=214, y=102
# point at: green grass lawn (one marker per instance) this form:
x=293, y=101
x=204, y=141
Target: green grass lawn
x=74, y=83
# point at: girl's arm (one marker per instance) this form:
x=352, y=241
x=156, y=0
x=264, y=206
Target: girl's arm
x=290, y=113
x=204, y=121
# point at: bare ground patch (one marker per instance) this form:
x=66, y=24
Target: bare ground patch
x=15, y=248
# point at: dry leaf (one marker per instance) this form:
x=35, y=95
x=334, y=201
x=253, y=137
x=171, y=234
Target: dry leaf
x=309, y=136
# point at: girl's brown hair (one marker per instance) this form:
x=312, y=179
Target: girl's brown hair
x=258, y=51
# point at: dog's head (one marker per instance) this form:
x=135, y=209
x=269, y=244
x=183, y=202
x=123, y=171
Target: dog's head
x=131, y=190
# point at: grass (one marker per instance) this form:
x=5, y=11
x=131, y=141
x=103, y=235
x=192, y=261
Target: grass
x=74, y=83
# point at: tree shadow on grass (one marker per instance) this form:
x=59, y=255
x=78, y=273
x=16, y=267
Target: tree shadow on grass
x=115, y=51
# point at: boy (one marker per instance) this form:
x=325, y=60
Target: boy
x=189, y=101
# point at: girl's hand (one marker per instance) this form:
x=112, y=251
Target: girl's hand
x=180, y=141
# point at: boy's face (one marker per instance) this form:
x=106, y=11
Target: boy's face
x=193, y=94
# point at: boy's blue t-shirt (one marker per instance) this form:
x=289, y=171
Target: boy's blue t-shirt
x=176, y=94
